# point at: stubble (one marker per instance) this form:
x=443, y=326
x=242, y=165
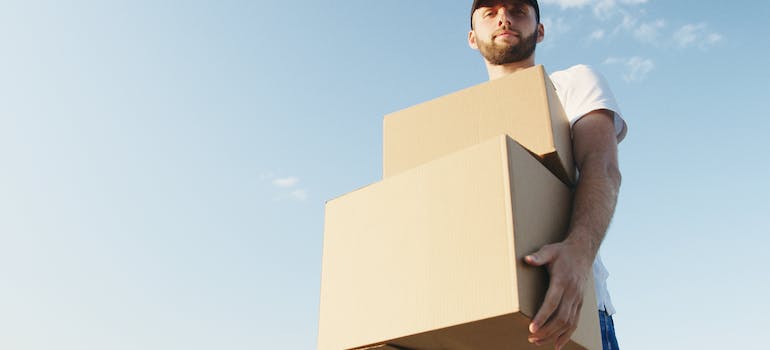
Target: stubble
x=499, y=54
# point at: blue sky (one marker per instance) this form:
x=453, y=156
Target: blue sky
x=165, y=163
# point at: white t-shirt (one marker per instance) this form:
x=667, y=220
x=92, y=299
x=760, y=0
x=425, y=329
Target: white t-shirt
x=581, y=91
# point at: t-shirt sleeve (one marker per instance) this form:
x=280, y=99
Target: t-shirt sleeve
x=582, y=90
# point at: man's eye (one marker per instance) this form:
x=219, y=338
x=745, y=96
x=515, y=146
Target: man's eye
x=519, y=10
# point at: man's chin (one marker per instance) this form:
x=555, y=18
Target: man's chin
x=507, y=39
x=501, y=57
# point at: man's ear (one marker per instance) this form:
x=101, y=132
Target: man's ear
x=540, y=32
x=472, y=40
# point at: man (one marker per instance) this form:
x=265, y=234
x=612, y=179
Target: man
x=506, y=33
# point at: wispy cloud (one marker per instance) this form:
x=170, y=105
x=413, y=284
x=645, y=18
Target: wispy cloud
x=288, y=186
x=649, y=32
x=602, y=9
x=636, y=68
x=696, y=35
x=608, y=6
x=568, y=3
x=299, y=194
x=605, y=9
x=597, y=35
x=617, y=15
x=285, y=182
x=627, y=18
x=595, y=3
x=554, y=28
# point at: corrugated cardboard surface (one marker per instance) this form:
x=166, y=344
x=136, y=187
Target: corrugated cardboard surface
x=433, y=248
x=523, y=105
x=507, y=332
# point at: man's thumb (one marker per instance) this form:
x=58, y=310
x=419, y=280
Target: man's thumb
x=538, y=258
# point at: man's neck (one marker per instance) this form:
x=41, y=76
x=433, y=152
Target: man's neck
x=499, y=71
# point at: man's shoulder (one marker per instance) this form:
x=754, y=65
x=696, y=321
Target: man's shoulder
x=582, y=89
x=579, y=81
x=576, y=72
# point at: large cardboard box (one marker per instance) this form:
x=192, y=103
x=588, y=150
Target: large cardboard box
x=431, y=258
x=523, y=105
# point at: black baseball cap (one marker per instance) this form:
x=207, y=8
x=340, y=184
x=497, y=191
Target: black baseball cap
x=533, y=3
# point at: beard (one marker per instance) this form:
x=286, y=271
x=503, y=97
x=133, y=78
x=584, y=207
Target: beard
x=498, y=54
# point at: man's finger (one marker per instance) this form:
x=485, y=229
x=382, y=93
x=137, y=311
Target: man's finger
x=552, y=299
x=561, y=321
x=564, y=318
x=565, y=337
x=540, y=257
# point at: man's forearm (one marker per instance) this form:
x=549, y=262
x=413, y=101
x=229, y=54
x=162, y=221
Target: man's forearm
x=594, y=203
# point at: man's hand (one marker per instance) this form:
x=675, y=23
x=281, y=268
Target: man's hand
x=569, y=266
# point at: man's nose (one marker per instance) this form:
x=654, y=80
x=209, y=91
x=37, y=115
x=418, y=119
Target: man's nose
x=503, y=17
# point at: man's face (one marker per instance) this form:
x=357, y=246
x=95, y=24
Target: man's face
x=505, y=31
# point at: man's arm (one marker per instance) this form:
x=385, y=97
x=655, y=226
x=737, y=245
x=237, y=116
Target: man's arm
x=569, y=262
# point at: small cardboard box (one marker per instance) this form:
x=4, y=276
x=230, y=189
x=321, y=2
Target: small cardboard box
x=431, y=259
x=523, y=105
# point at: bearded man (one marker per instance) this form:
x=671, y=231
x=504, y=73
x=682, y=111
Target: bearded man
x=506, y=34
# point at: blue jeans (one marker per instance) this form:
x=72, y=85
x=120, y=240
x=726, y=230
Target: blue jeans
x=608, y=331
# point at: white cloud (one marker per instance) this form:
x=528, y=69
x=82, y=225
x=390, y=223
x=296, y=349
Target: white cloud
x=649, y=32
x=628, y=21
x=687, y=34
x=714, y=38
x=286, y=182
x=627, y=18
x=568, y=3
x=605, y=9
x=609, y=9
x=696, y=35
x=602, y=9
x=299, y=194
x=597, y=35
x=637, y=68
x=554, y=28
x=287, y=187
x=581, y=3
